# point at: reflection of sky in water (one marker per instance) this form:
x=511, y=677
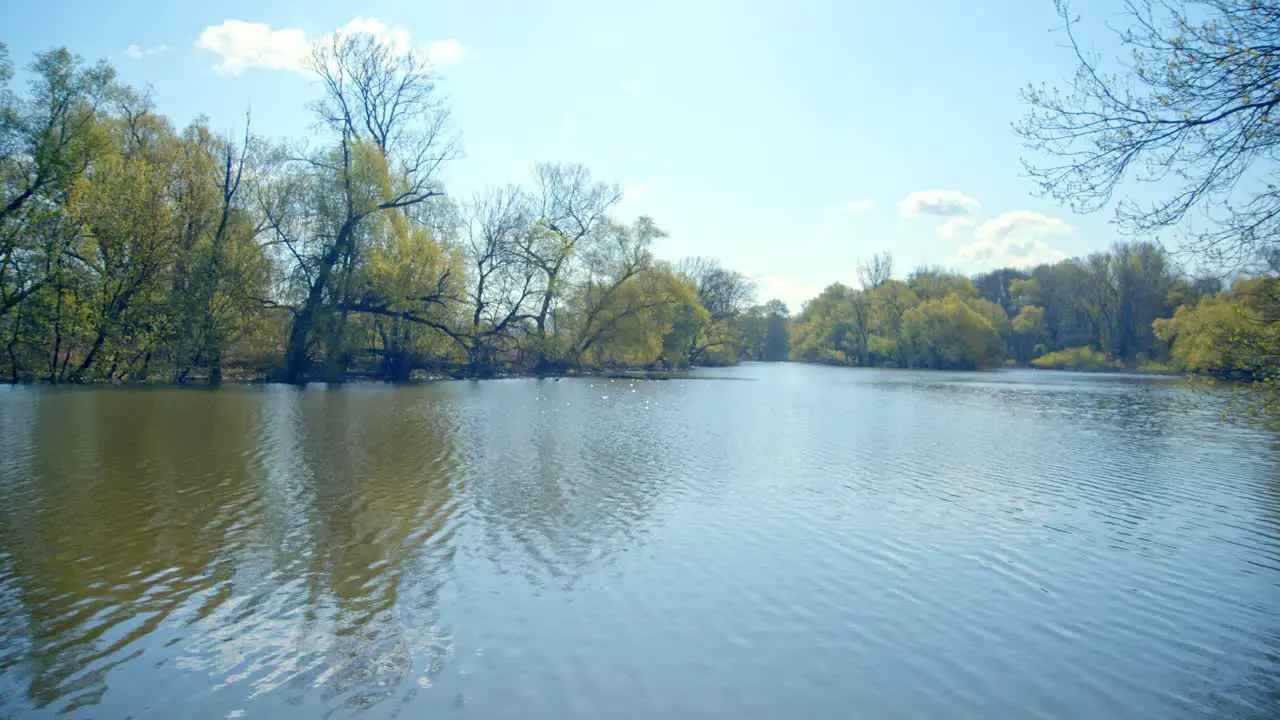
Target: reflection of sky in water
x=790, y=540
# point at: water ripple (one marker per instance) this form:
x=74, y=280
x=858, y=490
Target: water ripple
x=1012, y=544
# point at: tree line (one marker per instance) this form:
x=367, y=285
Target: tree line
x=133, y=251
x=1131, y=307
x=1187, y=106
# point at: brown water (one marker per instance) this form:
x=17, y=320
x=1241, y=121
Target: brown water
x=773, y=541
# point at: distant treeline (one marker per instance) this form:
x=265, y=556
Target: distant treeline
x=1128, y=308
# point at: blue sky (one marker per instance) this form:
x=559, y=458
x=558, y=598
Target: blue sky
x=787, y=139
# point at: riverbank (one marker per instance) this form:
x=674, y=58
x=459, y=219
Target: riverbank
x=417, y=377
x=1156, y=371
x=612, y=373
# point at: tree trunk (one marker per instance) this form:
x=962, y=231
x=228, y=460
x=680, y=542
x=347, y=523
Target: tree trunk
x=13, y=350
x=66, y=363
x=215, y=366
x=145, y=370
x=334, y=366
x=93, y=353
x=57, y=338
x=296, y=363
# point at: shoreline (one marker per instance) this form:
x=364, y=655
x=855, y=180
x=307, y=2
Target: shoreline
x=640, y=373
x=428, y=377
x=1019, y=366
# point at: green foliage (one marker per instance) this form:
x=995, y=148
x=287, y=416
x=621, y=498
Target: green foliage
x=993, y=313
x=1075, y=311
x=884, y=350
x=937, y=284
x=1231, y=335
x=1030, y=321
x=1191, y=103
x=1028, y=333
x=1076, y=358
x=950, y=334
x=996, y=286
x=650, y=317
x=766, y=332
x=890, y=325
x=132, y=252
x=821, y=331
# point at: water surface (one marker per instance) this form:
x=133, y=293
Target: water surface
x=768, y=541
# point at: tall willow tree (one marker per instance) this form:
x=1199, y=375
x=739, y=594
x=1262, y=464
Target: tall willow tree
x=388, y=142
x=504, y=280
x=131, y=231
x=571, y=206
x=220, y=272
x=48, y=139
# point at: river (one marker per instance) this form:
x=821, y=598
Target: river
x=762, y=541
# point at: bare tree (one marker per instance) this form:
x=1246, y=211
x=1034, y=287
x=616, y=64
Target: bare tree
x=876, y=272
x=570, y=205
x=380, y=105
x=1192, y=110
x=504, y=282
x=724, y=293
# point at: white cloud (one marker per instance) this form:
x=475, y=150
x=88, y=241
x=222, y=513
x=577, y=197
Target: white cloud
x=398, y=39
x=855, y=207
x=632, y=86
x=1022, y=223
x=634, y=192
x=1006, y=252
x=137, y=52
x=937, y=202
x=1012, y=239
x=444, y=52
x=242, y=45
x=952, y=226
x=789, y=289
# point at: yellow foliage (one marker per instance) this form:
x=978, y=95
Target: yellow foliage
x=949, y=334
x=1232, y=334
x=635, y=324
x=1029, y=321
x=1076, y=358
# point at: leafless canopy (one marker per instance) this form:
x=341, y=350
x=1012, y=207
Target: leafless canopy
x=504, y=282
x=376, y=94
x=724, y=293
x=621, y=252
x=569, y=206
x=570, y=201
x=1190, y=110
x=876, y=272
